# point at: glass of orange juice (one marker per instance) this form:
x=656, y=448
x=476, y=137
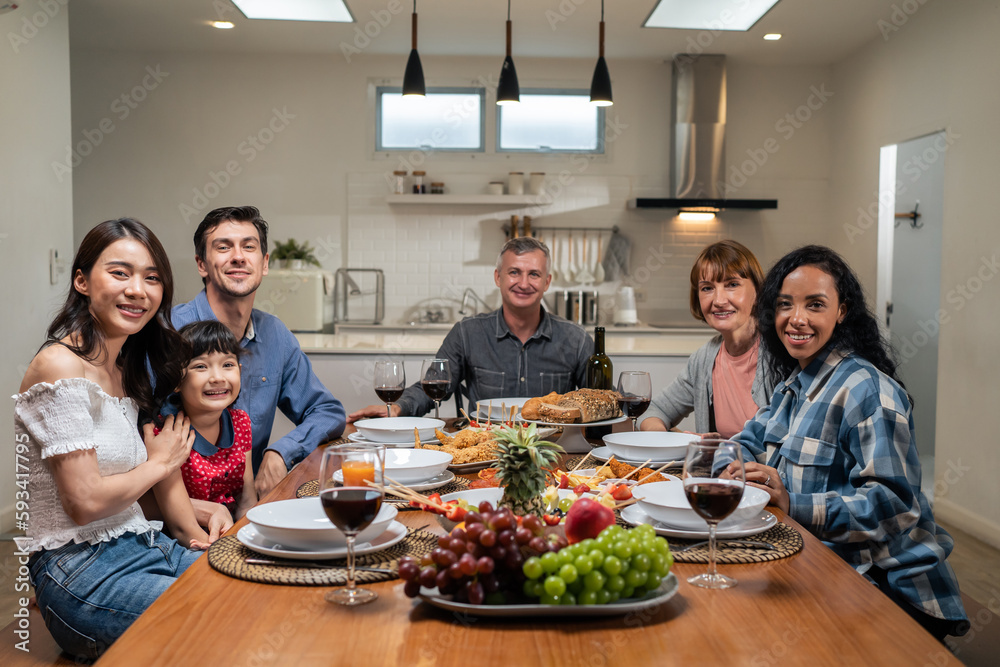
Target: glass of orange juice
x=358, y=472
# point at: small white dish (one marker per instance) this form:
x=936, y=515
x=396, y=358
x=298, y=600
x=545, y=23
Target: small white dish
x=398, y=429
x=602, y=454
x=302, y=523
x=634, y=516
x=360, y=439
x=252, y=539
x=409, y=466
x=445, y=478
x=492, y=408
x=642, y=445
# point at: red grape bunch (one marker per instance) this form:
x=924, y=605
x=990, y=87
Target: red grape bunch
x=482, y=562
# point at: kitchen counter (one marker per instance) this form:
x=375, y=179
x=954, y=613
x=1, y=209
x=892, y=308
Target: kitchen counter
x=369, y=340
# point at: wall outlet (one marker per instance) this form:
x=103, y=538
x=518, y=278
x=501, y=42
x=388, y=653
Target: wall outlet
x=56, y=266
x=640, y=294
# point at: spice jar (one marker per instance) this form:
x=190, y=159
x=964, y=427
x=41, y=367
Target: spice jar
x=418, y=183
x=400, y=188
x=495, y=188
x=437, y=188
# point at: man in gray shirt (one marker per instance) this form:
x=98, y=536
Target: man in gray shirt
x=518, y=350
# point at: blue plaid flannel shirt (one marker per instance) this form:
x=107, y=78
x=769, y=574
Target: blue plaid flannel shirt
x=840, y=434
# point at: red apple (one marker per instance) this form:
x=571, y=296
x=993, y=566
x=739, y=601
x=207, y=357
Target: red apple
x=586, y=519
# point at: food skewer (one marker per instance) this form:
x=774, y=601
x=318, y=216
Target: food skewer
x=637, y=469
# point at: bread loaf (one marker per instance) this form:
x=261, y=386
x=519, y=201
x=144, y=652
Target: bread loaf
x=582, y=406
x=530, y=409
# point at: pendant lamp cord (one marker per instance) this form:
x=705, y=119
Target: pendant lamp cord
x=508, y=9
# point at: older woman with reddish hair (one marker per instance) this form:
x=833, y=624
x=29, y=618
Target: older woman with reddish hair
x=725, y=381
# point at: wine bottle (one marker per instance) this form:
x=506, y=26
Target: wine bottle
x=600, y=372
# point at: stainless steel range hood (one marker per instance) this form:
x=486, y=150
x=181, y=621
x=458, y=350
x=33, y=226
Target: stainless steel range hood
x=698, y=120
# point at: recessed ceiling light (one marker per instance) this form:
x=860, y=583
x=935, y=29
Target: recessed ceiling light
x=334, y=11
x=708, y=14
x=772, y=36
x=222, y=25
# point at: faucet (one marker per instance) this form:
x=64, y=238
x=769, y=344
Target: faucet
x=469, y=292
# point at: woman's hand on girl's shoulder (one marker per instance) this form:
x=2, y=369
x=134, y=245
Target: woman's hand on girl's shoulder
x=55, y=362
x=172, y=445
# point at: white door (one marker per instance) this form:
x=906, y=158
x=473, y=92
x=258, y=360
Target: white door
x=912, y=299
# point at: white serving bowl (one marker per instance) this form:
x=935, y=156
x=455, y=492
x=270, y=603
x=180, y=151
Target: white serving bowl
x=302, y=523
x=398, y=429
x=410, y=466
x=667, y=503
x=641, y=446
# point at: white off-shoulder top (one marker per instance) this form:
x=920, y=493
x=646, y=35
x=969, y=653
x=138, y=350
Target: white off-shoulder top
x=70, y=415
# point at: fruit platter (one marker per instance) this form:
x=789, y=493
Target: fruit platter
x=538, y=545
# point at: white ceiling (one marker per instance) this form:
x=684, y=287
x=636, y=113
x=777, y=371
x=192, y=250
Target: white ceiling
x=816, y=32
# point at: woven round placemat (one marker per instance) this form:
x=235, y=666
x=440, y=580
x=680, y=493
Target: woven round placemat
x=787, y=540
x=227, y=555
x=459, y=484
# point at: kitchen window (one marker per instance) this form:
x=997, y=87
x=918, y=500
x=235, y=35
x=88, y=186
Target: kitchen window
x=551, y=121
x=446, y=119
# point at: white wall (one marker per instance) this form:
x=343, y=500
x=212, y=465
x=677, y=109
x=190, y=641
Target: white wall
x=196, y=119
x=932, y=74
x=35, y=207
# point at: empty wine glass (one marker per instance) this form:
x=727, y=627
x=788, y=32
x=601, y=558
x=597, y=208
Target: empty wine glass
x=713, y=483
x=351, y=502
x=390, y=381
x=435, y=378
x=636, y=391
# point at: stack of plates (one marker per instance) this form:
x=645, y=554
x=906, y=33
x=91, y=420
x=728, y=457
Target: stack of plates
x=665, y=506
x=300, y=529
x=396, y=431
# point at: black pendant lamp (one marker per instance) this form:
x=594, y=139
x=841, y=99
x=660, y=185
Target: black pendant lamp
x=413, y=80
x=600, y=85
x=508, y=92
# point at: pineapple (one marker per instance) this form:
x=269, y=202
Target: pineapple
x=521, y=457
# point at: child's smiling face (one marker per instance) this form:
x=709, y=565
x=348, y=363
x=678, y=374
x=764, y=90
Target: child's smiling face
x=211, y=383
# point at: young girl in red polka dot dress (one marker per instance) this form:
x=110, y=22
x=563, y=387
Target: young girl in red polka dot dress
x=218, y=469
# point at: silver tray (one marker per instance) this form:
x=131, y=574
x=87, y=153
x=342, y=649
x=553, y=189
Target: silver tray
x=667, y=589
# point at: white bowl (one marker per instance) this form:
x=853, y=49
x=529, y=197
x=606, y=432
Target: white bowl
x=667, y=503
x=410, y=466
x=398, y=429
x=640, y=446
x=302, y=523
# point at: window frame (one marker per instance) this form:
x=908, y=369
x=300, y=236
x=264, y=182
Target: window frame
x=599, y=150
x=470, y=90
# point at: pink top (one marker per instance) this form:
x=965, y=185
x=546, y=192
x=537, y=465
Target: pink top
x=732, y=382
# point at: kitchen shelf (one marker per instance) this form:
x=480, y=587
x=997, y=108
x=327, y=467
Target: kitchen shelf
x=475, y=200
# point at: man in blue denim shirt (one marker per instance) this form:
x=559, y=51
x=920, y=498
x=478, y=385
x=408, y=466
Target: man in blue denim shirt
x=231, y=251
x=518, y=350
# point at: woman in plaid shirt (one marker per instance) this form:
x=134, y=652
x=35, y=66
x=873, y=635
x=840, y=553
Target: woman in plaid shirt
x=835, y=448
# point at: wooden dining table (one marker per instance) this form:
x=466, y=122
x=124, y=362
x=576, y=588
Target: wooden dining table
x=810, y=608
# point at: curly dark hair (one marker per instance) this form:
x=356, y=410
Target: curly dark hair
x=858, y=333
x=157, y=341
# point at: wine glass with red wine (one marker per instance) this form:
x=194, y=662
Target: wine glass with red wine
x=435, y=378
x=636, y=392
x=390, y=381
x=351, y=491
x=713, y=483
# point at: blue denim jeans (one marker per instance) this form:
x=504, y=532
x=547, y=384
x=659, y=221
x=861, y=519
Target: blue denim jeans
x=90, y=593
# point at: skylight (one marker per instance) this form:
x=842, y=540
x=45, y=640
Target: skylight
x=708, y=14
x=334, y=11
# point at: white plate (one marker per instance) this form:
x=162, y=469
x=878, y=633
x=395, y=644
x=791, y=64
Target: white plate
x=397, y=429
x=634, y=515
x=483, y=407
x=251, y=539
x=357, y=437
x=655, y=598
x=445, y=478
x=606, y=422
x=603, y=454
